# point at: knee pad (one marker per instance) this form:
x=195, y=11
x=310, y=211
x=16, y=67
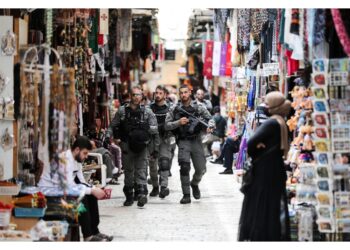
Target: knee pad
x=164, y=164
x=185, y=168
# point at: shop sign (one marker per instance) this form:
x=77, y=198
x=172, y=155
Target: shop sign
x=270, y=69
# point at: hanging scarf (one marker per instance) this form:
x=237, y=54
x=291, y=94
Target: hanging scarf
x=228, y=71
x=126, y=30
x=223, y=59
x=259, y=18
x=295, y=23
x=243, y=29
x=319, y=26
x=216, y=58
x=208, y=61
x=341, y=30
x=220, y=22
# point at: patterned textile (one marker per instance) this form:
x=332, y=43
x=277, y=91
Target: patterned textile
x=274, y=56
x=258, y=18
x=319, y=27
x=228, y=71
x=220, y=19
x=208, y=61
x=244, y=23
x=305, y=42
x=341, y=30
x=223, y=59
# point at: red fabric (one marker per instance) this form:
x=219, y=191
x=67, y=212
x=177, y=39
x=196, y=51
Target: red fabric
x=292, y=65
x=208, y=61
x=228, y=71
x=100, y=40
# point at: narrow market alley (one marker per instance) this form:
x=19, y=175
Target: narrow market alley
x=214, y=217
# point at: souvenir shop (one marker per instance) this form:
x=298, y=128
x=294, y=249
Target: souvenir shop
x=60, y=70
x=305, y=54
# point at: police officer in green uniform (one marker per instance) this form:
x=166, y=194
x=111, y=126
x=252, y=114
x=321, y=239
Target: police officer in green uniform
x=188, y=136
x=134, y=125
x=161, y=164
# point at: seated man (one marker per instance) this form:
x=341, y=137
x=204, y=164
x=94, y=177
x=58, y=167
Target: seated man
x=71, y=174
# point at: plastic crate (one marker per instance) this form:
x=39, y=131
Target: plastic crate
x=10, y=190
x=29, y=212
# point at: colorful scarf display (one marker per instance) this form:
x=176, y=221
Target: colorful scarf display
x=223, y=59
x=228, y=71
x=208, y=61
x=216, y=58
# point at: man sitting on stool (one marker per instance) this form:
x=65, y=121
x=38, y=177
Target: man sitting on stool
x=73, y=157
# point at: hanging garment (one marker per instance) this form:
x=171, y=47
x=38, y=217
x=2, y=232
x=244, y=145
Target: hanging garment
x=319, y=27
x=234, y=32
x=293, y=41
x=292, y=65
x=216, y=58
x=310, y=16
x=274, y=52
x=126, y=30
x=208, y=61
x=103, y=21
x=228, y=71
x=244, y=25
x=251, y=95
x=295, y=23
x=341, y=30
x=220, y=22
x=223, y=59
x=258, y=18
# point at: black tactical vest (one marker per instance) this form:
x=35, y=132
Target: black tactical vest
x=135, y=129
x=160, y=113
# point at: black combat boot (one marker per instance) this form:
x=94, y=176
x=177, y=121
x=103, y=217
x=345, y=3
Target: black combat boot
x=196, y=192
x=142, y=195
x=142, y=200
x=164, y=191
x=155, y=191
x=129, y=201
x=129, y=194
x=186, y=199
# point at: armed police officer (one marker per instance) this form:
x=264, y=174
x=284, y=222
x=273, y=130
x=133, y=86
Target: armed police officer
x=134, y=125
x=184, y=120
x=160, y=108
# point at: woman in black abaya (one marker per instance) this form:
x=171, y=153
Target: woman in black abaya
x=264, y=215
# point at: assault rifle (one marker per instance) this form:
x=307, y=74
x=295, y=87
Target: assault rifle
x=194, y=120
